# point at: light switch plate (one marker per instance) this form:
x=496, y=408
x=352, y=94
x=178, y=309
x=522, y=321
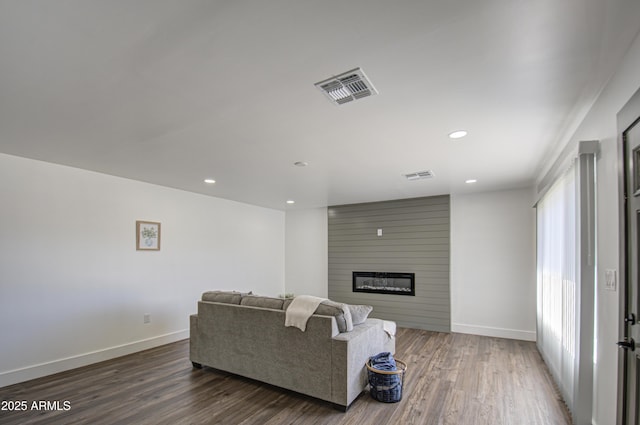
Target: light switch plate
x=610, y=280
x=379, y=232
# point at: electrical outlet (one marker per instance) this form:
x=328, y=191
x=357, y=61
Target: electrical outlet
x=610, y=280
x=147, y=318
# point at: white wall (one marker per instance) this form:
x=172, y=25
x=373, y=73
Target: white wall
x=306, y=252
x=73, y=288
x=492, y=261
x=600, y=124
x=493, y=289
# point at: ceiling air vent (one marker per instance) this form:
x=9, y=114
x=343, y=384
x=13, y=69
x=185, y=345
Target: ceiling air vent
x=419, y=175
x=344, y=88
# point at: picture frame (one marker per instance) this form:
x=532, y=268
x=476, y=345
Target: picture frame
x=147, y=235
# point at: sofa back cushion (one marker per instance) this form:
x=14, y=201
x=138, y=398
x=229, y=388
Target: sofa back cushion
x=358, y=312
x=342, y=313
x=346, y=315
x=338, y=310
x=227, y=297
x=264, y=302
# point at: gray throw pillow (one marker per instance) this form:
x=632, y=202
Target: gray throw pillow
x=359, y=313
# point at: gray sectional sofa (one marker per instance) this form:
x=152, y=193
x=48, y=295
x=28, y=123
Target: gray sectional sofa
x=245, y=335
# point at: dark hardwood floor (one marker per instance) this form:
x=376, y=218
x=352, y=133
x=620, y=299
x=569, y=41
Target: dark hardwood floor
x=451, y=379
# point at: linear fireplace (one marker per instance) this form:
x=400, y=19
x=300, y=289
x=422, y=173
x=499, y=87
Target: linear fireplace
x=385, y=283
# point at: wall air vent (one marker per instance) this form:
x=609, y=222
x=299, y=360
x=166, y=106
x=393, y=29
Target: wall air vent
x=346, y=87
x=419, y=175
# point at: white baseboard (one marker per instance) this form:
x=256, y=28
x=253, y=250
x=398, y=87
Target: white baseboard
x=44, y=369
x=495, y=332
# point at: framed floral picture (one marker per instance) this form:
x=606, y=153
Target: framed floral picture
x=147, y=236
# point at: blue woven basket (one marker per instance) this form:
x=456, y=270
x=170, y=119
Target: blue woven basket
x=386, y=385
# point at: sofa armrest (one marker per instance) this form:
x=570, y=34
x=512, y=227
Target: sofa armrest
x=350, y=351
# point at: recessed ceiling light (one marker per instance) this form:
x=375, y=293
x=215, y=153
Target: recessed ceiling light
x=471, y=181
x=301, y=163
x=209, y=181
x=457, y=134
x=290, y=201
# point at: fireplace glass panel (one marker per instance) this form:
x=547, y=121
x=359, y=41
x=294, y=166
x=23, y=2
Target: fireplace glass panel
x=384, y=283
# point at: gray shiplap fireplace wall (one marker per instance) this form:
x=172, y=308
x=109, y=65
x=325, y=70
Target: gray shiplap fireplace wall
x=415, y=239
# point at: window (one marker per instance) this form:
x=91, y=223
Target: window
x=565, y=283
x=556, y=223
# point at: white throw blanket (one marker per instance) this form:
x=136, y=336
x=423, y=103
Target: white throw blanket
x=300, y=309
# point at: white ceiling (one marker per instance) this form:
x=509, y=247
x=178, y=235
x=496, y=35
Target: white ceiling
x=173, y=92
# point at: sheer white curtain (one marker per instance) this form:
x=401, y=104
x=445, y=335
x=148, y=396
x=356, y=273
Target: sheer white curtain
x=566, y=281
x=557, y=262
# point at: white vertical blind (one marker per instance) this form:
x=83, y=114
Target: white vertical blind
x=557, y=277
x=566, y=280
